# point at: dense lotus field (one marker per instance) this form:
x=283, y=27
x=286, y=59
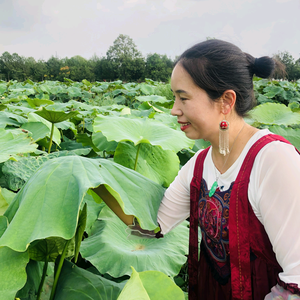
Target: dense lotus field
x=58, y=140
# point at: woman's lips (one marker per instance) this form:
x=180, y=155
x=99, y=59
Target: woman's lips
x=184, y=126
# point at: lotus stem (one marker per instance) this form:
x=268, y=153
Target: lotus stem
x=51, y=137
x=42, y=280
x=83, y=125
x=59, y=267
x=137, y=156
x=62, y=136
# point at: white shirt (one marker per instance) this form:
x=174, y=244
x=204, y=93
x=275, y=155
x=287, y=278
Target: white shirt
x=274, y=194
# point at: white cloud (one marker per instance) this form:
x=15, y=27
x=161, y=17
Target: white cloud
x=76, y=27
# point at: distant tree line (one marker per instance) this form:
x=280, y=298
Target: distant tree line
x=122, y=61
x=292, y=66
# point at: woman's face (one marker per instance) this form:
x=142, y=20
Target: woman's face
x=198, y=115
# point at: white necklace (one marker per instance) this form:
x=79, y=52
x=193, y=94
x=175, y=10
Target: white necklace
x=215, y=184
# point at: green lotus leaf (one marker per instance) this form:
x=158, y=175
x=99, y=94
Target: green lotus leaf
x=20, y=110
x=141, y=131
x=3, y=224
x=7, y=119
x=100, y=141
x=3, y=87
x=86, y=140
x=75, y=148
x=147, y=89
x=78, y=284
x=52, y=201
x=108, y=244
x=134, y=289
x=200, y=144
x=159, y=108
x=38, y=129
x=18, y=172
x=23, y=91
x=57, y=106
x=93, y=210
x=153, y=162
x=274, y=114
x=3, y=205
x=49, y=248
x=153, y=98
x=13, y=116
x=13, y=143
x=150, y=285
x=45, y=88
x=55, y=116
x=65, y=125
x=38, y=102
x=34, y=271
x=3, y=106
x=6, y=196
x=292, y=135
x=74, y=92
x=13, y=273
x=97, y=89
x=263, y=99
x=271, y=91
x=78, y=105
x=168, y=119
x=33, y=117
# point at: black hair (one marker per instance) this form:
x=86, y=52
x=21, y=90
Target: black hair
x=217, y=66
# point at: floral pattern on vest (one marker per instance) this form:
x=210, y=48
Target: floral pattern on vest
x=214, y=222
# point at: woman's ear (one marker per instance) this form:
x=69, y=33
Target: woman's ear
x=228, y=101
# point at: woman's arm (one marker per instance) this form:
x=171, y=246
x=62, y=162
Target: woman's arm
x=175, y=205
x=278, y=204
x=113, y=204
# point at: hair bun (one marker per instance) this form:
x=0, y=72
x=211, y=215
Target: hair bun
x=263, y=67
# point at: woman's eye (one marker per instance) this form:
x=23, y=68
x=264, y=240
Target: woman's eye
x=182, y=99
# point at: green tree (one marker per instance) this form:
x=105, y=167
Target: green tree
x=14, y=66
x=40, y=71
x=104, y=70
x=128, y=63
x=53, y=65
x=6, y=66
x=158, y=67
x=79, y=69
x=292, y=67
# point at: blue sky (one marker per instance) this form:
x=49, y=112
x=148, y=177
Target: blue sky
x=70, y=27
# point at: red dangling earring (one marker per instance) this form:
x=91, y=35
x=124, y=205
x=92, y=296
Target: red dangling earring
x=224, y=137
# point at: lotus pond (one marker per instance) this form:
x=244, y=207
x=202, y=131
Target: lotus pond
x=58, y=141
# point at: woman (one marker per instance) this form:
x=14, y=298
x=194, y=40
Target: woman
x=242, y=190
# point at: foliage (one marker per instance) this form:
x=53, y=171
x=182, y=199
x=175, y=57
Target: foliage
x=50, y=216
x=292, y=67
x=126, y=60
x=158, y=67
x=284, y=91
x=122, y=61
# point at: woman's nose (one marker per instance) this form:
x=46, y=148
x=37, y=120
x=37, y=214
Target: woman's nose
x=176, y=111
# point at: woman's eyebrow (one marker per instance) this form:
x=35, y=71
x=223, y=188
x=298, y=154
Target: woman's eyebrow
x=180, y=91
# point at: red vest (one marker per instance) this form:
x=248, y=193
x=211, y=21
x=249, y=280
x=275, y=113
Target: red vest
x=243, y=236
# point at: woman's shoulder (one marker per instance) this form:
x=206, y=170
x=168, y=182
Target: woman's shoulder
x=278, y=154
x=277, y=145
